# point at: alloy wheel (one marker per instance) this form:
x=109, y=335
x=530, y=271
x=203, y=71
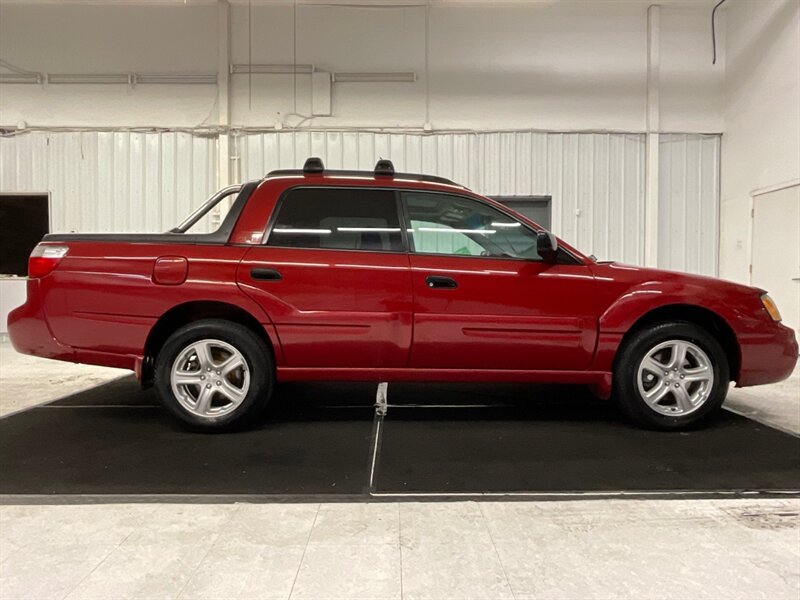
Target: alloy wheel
x=675, y=378
x=210, y=378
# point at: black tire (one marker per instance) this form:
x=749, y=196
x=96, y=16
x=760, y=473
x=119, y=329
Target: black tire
x=256, y=354
x=626, y=372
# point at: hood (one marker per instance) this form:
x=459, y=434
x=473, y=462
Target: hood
x=636, y=275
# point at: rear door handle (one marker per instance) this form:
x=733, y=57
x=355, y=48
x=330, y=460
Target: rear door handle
x=437, y=281
x=265, y=274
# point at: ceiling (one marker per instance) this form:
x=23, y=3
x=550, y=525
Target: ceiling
x=674, y=3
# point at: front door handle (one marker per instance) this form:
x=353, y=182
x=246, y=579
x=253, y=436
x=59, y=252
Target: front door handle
x=265, y=274
x=437, y=281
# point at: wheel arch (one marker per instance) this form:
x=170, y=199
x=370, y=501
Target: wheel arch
x=187, y=312
x=697, y=315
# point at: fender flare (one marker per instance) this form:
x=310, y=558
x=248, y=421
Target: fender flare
x=250, y=313
x=686, y=301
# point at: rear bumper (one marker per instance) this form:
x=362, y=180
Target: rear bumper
x=29, y=332
x=767, y=357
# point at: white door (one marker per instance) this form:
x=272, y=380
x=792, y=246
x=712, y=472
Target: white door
x=776, y=250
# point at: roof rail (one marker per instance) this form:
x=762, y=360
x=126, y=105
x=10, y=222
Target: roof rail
x=383, y=168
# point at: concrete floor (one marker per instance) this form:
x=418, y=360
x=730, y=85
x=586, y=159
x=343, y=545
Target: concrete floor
x=583, y=549
x=777, y=405
x=26, y=381
x=745, y=548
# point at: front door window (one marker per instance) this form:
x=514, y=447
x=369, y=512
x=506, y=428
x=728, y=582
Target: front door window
x=454, y=225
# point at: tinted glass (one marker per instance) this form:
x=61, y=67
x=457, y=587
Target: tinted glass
x=344, y=219
x=442, y=224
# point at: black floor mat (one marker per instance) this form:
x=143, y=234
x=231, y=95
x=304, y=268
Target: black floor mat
x=131, y=446
x=549, y=450
x=317, y=441
x=558, y=439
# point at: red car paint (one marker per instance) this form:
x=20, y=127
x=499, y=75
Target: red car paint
x=362, y=315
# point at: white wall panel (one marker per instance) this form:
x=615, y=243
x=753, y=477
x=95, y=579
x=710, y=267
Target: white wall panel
x=596, y=180
x=129, y=181
x=111, y=181
x=688, y=220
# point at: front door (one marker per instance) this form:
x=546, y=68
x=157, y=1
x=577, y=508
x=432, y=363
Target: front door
x=334, y=278
x=484, y=299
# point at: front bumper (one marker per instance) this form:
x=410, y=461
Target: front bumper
x=767, y=356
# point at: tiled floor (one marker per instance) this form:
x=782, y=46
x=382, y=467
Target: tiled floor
x=583, y=549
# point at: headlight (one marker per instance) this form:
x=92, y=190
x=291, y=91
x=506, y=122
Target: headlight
x=770, y=307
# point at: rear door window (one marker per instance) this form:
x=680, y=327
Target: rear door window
x=338, y=218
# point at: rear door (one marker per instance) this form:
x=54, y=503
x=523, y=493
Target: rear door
x=334, y=277
x=484, y=299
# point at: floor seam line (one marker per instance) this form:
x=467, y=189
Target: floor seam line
x=381, y=407
x=63, y=397
x=207, y=552
x=305, y=549
x=496, y=552
x=375, y=450
x=99, y=564
x=400, y=544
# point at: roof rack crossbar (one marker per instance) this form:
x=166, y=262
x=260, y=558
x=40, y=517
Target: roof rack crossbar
x=383, y=168
x=348, y=173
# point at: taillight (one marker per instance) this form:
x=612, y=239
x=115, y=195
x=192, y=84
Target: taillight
x=44, y=259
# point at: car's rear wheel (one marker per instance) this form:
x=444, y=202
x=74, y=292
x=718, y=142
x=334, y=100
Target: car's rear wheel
x=671, y=376
x=214, y=374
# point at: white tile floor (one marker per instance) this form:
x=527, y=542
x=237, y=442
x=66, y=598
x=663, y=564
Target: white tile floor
x=577, y=549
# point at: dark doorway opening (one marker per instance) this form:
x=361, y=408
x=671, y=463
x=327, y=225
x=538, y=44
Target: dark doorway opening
x=24, y=220
x=537, y=208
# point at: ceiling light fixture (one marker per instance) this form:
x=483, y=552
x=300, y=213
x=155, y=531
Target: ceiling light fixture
x=274, y=69
x=102, y=78
x=388, y=77
x=193, y=78
x=20, y=78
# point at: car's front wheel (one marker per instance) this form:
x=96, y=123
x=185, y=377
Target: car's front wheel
x=671, y=376
x=214, y=374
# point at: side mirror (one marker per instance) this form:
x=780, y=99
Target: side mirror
x=547, y=246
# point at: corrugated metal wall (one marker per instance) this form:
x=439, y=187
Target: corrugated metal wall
x=111, y=181
x=596, y=180
x=127, y=181
x=688, y=209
